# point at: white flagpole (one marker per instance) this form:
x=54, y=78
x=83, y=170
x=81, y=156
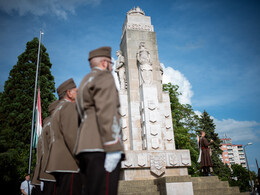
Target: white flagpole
x=34, y=99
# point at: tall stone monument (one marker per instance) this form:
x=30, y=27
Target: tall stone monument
x=148, y=134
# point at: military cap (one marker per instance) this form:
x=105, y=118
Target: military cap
x=52, y=106
x=100, y=52
x=68, y=84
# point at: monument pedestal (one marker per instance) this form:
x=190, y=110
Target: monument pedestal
x=154, y=164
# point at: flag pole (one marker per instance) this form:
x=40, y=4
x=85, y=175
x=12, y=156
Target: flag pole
x=34, y=99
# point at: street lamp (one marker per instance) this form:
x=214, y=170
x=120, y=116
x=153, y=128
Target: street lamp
x=250, y=143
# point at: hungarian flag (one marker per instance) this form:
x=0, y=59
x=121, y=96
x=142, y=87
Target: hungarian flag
x=38, y=120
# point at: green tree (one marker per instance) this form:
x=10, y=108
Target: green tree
x=207, y=125
x=185, y=125
x=240, y=177
x=16, y=105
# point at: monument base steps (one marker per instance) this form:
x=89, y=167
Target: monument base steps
x=212, y=185
x=178, y=185
x=137, y=187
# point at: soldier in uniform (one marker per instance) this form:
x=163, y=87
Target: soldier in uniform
x=99, y=147
x=205, y=159
x=39, y=176
x=64, y=124
x=47, y=179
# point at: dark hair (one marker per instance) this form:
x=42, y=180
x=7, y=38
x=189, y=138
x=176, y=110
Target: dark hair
x=202, y=132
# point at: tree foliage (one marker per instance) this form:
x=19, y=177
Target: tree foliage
x=240, y=177
x=16, y=106
x=185, y=125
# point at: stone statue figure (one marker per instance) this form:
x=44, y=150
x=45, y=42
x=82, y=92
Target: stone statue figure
x=145, y=65
x=120, y=69
x=161, y=71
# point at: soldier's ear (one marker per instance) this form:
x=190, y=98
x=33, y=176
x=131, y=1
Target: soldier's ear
x=68, y=94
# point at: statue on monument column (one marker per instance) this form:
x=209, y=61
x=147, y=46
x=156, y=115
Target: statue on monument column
x=145, y=65
x=120, y=69
x=161, y=72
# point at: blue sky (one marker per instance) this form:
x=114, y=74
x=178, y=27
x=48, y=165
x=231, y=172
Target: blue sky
x=210, y=48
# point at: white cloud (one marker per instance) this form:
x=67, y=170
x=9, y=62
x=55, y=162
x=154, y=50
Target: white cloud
x=238, y=130
x=198, y=113
x=59, y=8
x=177, y=78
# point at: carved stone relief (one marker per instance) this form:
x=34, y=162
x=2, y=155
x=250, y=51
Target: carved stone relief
x=142, y=118
x=141, y=106
x=166, y=114
x=158, y=164
x=128, y=162
x=155, y=143
x=122, y=111
x=168, y=123
x=154, y=129
x=144, y=145
x=120, y=70
x=185, y=159
x=153, y=116
x=161, y=71
x=151, y=105
x=124, y=123
x=145, y=65
x=124, y=137
x=169, y=135
x=142, y=160
x=143, y=27
x=136, y=11
x=173, y=159
x=144, y=131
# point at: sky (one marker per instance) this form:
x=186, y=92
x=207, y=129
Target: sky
x=211, y=49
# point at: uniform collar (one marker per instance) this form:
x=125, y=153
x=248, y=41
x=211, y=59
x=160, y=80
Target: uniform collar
x=96, y=67
x=67, y=100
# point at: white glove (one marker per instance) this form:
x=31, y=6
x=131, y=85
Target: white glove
x=111, y=161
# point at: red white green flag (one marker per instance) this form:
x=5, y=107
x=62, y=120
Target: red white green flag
x=38, y=121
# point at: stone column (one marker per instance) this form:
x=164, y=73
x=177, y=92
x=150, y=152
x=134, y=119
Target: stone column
x=145, y=109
